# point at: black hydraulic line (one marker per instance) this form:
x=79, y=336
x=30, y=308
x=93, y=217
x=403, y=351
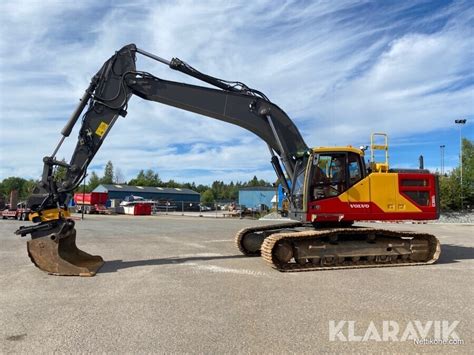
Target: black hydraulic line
x=179, y=65
x=281, y=176
x=153, y=56
x=283, y=154
x=66, y=131
x=183, y=67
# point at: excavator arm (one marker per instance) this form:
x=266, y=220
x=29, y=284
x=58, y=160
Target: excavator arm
x=108, y=96
x=52, y=247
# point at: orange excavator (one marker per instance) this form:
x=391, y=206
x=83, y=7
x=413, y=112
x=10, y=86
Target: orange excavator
x=327, y=188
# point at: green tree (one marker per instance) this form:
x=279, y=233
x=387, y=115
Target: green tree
x=232, y=191
x=450, y=185
x=138, y=180
x=201, y=188
x=152, y=178
x=173, y=184
x=254, y=182
x=28, y=188
x=218, y=188
x=23, y=186
x=119, y=177
x=449, y=193
x=94, y=181
x=60, y=172
x=207, y=197
x=10, y=184
x=468, y=173
x=148, y=178
x=108, y=177
x=217, y=191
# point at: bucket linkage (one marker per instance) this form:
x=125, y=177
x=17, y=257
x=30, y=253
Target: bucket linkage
x=53, y=249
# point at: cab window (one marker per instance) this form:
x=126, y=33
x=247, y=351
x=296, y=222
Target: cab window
x=298, y=190
x=355, y=169
x=328, y=175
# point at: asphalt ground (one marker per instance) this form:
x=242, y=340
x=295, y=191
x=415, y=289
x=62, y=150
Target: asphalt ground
x=179, y=285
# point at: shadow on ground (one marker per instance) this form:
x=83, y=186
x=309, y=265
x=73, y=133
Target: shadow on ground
x=454, y=253
x=449, y=254
x=115, y=265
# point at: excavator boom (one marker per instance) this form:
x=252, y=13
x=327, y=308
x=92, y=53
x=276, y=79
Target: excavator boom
x=107, y=98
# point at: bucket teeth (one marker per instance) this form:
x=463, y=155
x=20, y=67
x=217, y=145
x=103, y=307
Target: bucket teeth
x=58, y=254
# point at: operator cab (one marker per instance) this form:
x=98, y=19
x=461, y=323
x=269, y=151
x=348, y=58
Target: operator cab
x=334, y=170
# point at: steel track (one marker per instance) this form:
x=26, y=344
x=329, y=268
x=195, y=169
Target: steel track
x=268, y=246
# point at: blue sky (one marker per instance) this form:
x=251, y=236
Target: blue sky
x=340, y=69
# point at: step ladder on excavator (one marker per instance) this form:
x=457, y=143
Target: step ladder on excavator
x=378, y=166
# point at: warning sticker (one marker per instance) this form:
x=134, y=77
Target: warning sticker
x=101, y=129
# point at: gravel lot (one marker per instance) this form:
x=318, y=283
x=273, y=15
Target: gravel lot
x=178, y=284
x=457, y=217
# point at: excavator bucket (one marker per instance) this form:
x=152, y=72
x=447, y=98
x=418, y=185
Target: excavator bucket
x=58, y=254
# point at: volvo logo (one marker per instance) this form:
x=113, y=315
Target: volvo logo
x=359, y=205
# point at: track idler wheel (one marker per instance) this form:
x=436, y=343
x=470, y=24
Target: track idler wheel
x=252, y=242
x=58, y=254
x=283, y=252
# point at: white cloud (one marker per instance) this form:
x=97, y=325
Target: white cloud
x=339, y=71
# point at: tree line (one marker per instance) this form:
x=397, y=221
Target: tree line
x=218, y=190
x=449, y=184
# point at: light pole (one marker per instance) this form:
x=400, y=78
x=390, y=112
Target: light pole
x=83, y=196
x=460, y=123
x=442, y=158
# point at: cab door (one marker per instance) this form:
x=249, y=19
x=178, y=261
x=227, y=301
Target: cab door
x=329, y=175
x=358, y=191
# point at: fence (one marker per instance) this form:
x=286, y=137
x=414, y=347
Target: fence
x=214, y=209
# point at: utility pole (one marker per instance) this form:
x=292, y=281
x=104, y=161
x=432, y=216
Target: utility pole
x=442, y=158
x=83, y=195
x=460, y=123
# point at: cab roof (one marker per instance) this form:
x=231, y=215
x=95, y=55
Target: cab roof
x=338, y=149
